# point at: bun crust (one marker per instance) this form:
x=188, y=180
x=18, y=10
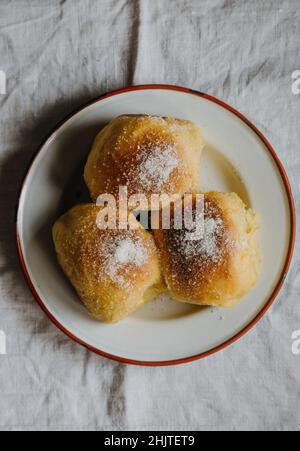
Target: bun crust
x=147, y=154
x=222, y=266
x=113, y=271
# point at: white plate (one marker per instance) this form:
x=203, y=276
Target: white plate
x=237, y=158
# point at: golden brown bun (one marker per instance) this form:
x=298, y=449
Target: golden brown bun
x=222, y=267
x=113, y=271
x=149, y=155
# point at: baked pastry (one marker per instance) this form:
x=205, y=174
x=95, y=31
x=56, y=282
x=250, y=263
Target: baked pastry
x=113, y=271
x=147, y=154
x=218, y=261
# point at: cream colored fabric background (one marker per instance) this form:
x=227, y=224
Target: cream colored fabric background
x=58, y=55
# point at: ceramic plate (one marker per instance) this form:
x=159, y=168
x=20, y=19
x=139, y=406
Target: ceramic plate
x=237, y=158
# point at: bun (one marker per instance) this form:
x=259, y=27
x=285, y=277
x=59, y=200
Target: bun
x=148, y=155
x=113, y=271
x=219, y=267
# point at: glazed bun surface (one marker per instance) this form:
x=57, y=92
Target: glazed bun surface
x=113, y=271
x=218, y=263
x=147, y=154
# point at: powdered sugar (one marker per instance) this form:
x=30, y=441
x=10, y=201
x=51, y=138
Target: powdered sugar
x=149, y=155
x=157, y=165
x=123, y=254
x=129, y=252
x=213, y=231
x=204, y=240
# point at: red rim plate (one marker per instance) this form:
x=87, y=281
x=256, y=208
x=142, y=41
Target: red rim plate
x=287, y=265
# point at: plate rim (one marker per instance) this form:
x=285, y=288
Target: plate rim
x=281, y=279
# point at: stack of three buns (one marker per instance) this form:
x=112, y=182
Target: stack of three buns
x=115, y=271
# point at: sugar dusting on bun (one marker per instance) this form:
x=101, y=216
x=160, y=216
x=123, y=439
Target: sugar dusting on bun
x=217, y=262
x=122, y=253
x=113, y=271
x=147, y=154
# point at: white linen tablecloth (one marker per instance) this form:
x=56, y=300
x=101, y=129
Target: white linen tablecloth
x=58, y=55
